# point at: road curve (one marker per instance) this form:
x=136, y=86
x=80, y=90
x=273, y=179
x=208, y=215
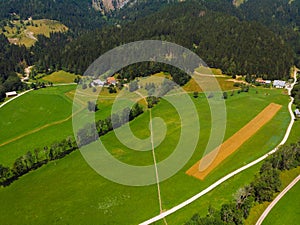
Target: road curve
x=276, y=200
x=227, y=177
x=19, y=95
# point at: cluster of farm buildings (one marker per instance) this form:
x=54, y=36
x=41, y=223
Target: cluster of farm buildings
x=113, y=81
x=108, y=81
x=276, y=83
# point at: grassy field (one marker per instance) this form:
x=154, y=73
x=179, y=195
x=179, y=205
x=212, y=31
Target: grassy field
x=287, y=210
x=38, y=108
x=226, y=84
x=60, y=77
x=34, y=120
x=25, y=32
x=47, y=112
x=247, y=153
x=286, y=178
x=69, y=191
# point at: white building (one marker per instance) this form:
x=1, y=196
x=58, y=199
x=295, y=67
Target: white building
x=268, y=82
x=11, y=94
x=279, y=83
x=297, y=112
x=98, y=83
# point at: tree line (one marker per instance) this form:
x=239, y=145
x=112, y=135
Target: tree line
x=33, y=160
x=296, y=95
x=262, y=189
x=145, y=69
x=13, y=60
x=91, y=132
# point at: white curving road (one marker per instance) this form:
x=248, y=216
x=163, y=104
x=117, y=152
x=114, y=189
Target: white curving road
x=227, y=177
x=19, y=95
x=276, y=200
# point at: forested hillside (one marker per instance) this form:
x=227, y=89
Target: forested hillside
x=281, y=16
x=75, y=14
x=260, y=37
x=12, y=59
x=222, y=41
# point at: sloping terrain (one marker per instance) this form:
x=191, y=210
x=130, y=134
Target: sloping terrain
x=26, y=32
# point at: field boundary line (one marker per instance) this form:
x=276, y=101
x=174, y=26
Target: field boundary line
x=232, y=174
x=40, y=128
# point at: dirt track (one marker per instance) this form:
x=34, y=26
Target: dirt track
x=209, y=162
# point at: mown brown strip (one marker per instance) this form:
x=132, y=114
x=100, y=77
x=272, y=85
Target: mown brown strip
x=209, y=162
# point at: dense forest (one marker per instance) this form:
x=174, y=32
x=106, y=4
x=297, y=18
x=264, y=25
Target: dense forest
x=258, y=38
x=77, y=15
x=281, y=16
x=222, y=41
x=12, y=59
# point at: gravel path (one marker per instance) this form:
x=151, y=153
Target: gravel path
x=276, y=200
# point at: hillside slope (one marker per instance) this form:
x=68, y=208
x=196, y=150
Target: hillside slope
x=223, y=41
x=75, y=14
x=25, y=32
x=108, y=5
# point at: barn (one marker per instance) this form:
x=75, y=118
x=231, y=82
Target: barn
x=11, y=94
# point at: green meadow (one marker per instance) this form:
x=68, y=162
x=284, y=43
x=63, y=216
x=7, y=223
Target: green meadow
x=60, y=77
x=68, y=191
x=34, y=120
x=24, y=32
x=287, y=210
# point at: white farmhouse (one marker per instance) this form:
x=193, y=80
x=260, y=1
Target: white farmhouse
x=98, y=83
x=279, y=83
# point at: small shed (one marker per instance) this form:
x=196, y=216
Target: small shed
x=11, y=94
x=268, y=82
x=297, y=112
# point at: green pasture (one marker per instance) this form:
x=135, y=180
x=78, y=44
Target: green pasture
x=47, y=112
x=286, y=178
x=287, y=210
x=68, y=191
x=34, y=110
x=60, y=77
x=20, y=31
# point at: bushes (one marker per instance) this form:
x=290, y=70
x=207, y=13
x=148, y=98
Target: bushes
x=90, y=132
x=32, y=160
x=152, y=101
x=296, y=94
x=266, y=185
x=36, y=158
